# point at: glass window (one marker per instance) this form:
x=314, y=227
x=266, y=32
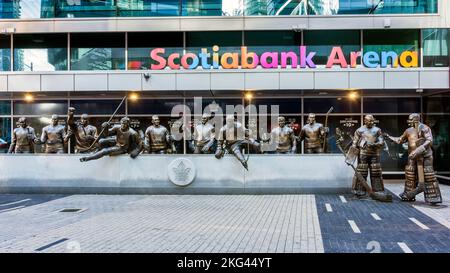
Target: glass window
x=5, y=52
x=435, y=47
x=322, y=41
x=397, y=40
x=228, y=41
x=393, y=157
x=340, y=105
x=97, y=51
x=272, y=41
x=437, y=104
x=5, y=134
x=347, y=124
x=85, y=8
x=211, y=38
x=110, y=8
x=440, y=126
x=216, y=103
x=5, y=107
x=275, y=7
x=262, y=41
x=201, y=7
x=153, y=106
x=24, y=9
x=404, y=6
x=40, y=52
x=141, y=44
x=40, y=107
x=286, y=106
x=138, y=8
x=97, y=107
x=391, y=105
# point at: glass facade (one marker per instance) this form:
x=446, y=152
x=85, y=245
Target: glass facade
x=272, y=41
x=40, y=52
x=94, y=51
x=226, y=40
x=397, y=40
x=435, y=47
x=437, y=109
x=322, y=41
x=125, y=8
x=107, y=51
x=141, y=44
x=5, y=53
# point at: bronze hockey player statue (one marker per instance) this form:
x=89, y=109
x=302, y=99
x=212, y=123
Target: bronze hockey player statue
x=157, y=137
x=85, y=134
x=23, y=138
x=313, y=135
x=419, y=173
x=204, y=136
x=284, y=138
x=53, y=137
x=127, y=141
x=232, y=138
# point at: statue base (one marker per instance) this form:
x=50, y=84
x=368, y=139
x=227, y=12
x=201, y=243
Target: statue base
x=175, y=174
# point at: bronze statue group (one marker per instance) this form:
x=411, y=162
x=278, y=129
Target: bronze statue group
x=232, y=138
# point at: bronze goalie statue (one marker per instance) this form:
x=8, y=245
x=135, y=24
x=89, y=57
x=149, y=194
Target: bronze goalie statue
x=419, y=173
x=367, y=144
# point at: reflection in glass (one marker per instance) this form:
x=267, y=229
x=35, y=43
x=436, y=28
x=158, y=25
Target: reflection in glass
x=153, y=106
x=40, y=108
x=94, y=51
x=97, y=107
x=85, y=8
x=5, y=53
x=394, y=157
x=440, y=126
x=435, y=47
x=5, y=134
x=228, y=41
x=40, y=52
x=286, y=106
x=201, y=7
x=437, y=104
x=5, y=107
x=125, y=8
x=272, y=41
x=141, y=44
x=347, y=124
x=340, y=105
x=24, y=9
x=148, y=8
x=391, y=105
x=275, y=7
x=215, y=104
x=397, y=40
x=322, y=42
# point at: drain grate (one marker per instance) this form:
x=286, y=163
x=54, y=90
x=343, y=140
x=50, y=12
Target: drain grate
x=71, y=210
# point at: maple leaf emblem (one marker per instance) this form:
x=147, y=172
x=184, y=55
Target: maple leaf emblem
x=181, y=172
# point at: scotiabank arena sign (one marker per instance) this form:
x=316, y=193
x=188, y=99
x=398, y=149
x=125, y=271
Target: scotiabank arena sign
x=300, y=59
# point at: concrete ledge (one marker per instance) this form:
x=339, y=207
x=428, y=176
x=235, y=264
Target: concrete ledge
x=148, y=174
x=207, y=80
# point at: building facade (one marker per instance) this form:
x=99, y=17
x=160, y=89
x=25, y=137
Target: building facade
x=387, y=58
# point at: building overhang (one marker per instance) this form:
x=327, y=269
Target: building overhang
x=239, y=80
